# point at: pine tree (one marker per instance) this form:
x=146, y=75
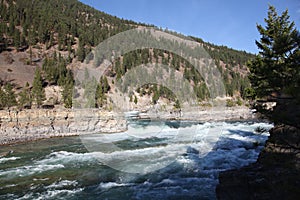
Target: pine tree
x=11, y=28
x=2, y=98
x=276, y=68
x=10, y=97
x=135, y=100
x=25, y=99
x=177, y=104
x=100, y=96
x=156, y=94
x=90, y=88
x=67, y=92
x=17, y=39
x=38, y=92
x=104, y=84
x=81, y=50
x=102, y=88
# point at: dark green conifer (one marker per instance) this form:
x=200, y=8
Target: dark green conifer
x=9, y=96
x=38, y=92
x=276, y=68
x=25, y=99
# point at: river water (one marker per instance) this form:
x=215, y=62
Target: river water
x=152, y=160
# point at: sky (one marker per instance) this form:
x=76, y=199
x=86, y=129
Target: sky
x=223, y=22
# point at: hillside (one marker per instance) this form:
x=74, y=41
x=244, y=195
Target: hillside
x=57, y=36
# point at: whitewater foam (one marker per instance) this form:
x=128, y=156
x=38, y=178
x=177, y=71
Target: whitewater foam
x=110, y=185
x=198, y=138
x=177, y=162
x=68, y=158
x=28, y=170
x=62, y=184
x=3, y=160
x=52, y=194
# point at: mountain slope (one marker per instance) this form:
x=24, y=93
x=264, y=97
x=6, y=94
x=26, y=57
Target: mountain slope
x=58, y=35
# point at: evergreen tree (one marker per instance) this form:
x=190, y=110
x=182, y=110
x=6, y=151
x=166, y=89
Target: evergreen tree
x=104, y=84
x=276, y=68
x=102, y=88
x=90, y=88
x=81, y=50
x=17, y=39
x=67, y=92
x=25, y=97
x=10, y=97
x=2, y=98
x=11, y=28
x=156, y=94
x=135, y=100
x=38, y=92
x=177, y=104
x=100, y=96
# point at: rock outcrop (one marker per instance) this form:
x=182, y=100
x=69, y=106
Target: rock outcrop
x=27, y=125
x=275, y=175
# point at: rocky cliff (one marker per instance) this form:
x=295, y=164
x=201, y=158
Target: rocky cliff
x=26, y=125
x=275, y=175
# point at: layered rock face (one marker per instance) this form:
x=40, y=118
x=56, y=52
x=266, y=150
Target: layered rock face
x=27, y=125
x=275, y=175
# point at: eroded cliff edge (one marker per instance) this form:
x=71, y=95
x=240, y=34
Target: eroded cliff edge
x=20, y=126
x=27, y=125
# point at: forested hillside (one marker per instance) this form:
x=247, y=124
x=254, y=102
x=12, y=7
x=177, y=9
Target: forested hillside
x=27, y=23
x=54, y=36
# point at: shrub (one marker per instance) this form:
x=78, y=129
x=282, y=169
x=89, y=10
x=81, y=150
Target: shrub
x=230, y=103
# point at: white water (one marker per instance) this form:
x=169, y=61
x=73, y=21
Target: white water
x=163, y=162
x=3, y=160
x=198, y=140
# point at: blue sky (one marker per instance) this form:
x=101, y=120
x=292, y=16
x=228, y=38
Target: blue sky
x=223, y=22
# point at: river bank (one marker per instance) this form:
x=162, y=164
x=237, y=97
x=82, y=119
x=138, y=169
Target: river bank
x=27, y=125
x=207, y=114
x=276, y=173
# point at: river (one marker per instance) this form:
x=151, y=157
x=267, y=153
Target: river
x=152, y=160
